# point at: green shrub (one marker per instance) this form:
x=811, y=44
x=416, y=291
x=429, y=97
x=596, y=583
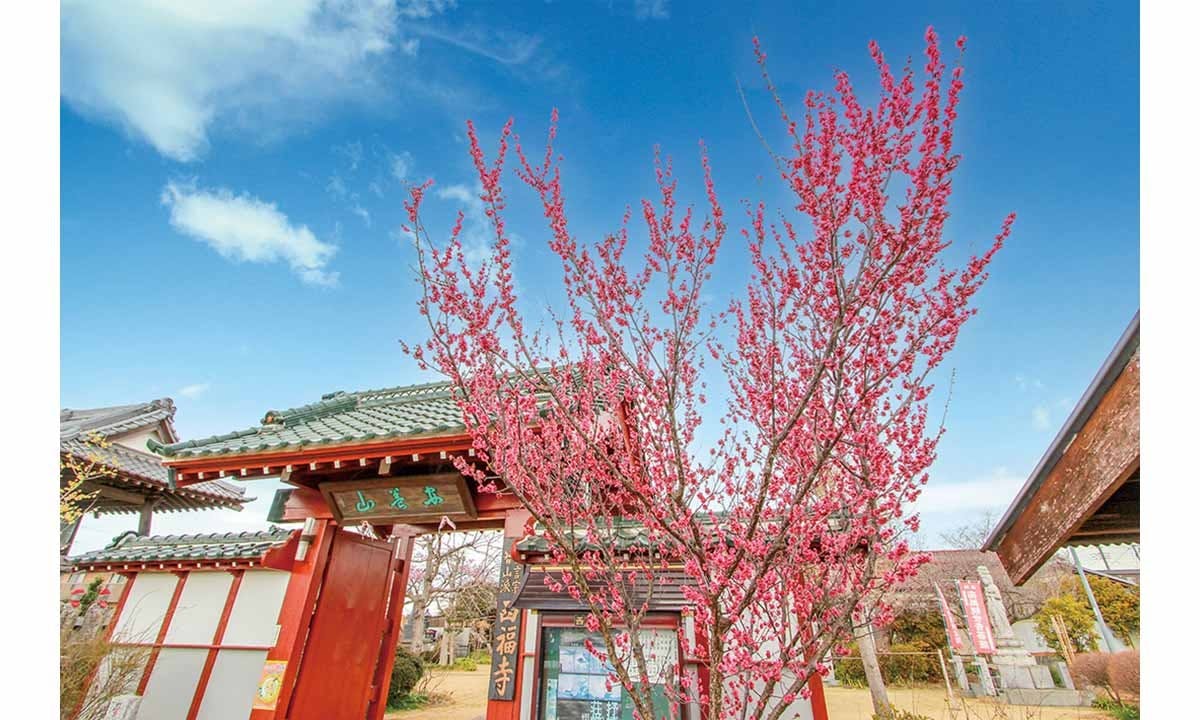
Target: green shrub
x=897, y=669
x=1120, y=711
x=406, y=673
x=411, y=701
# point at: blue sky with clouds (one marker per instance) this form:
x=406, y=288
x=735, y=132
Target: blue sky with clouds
x=232, y=182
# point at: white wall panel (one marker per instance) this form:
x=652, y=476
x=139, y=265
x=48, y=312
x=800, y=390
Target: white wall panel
x=256, y=610
x=172, y=684
x=230, y=690
x=199, y=608
x=145, y=608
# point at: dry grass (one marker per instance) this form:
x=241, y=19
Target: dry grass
x=86, y=656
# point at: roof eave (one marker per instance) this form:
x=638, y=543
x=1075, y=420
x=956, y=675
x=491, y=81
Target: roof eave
x=1113, y=365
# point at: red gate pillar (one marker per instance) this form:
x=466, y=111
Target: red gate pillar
x=515, y=522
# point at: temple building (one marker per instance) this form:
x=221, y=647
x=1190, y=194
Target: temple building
x=108, y=445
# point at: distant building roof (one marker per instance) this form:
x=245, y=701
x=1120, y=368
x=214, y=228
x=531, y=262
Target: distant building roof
x=116, y=419
x=131, y=548
x=663, y=594
x=946, y=566
x=337, y=418
x=137, y=472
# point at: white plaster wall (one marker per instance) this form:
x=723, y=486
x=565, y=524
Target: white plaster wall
x=256, y=610
x=172, y=684
x=199, y=609
x=136, y=440
x=230, y=691
x=145, y=608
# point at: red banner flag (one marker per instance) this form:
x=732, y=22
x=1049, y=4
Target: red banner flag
x=956, y=641
x=978, y=625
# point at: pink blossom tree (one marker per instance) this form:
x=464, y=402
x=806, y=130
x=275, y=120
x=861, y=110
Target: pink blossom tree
x=789, y=524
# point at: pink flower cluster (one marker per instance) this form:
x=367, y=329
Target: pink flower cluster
x=791, y=525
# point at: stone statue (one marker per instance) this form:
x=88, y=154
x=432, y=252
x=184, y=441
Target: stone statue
x=1017, y=667
x=1001, y=627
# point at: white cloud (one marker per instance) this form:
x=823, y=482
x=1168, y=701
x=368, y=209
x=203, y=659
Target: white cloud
x=476, y=233
x=166, y=72
x=1025, y=383
x=1041, y=418
x=245, y=229
x=423, y=9
x=401, y=165
x=194, y=390
x=651, y=9
x=336, y=187
x=990, y=492
x=361, y=211
x=503, y=46
x=410, y=47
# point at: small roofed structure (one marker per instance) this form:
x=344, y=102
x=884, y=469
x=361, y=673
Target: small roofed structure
x=108, y=444
x=130, y=551
x=1086, y=489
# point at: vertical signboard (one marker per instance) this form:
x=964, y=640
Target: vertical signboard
x=956, y=642
x=978, y=625
x=506, y=633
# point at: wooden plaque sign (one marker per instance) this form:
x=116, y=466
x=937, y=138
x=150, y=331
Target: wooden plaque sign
x=399, y=499
x=506, y=632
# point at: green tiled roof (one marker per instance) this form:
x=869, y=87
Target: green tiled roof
x=133, y=548
x=620, y=533
x=337, y=418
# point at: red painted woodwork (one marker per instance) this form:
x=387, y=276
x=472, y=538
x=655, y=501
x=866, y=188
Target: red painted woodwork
x=343, y=646
x=404, y=538
x=296, y=615
x=304, y=503
x=817, y=699
x=187, y=469
x=218, y=635
x=162, y=633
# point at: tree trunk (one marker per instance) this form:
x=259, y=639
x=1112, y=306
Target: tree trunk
x=417, y=645
x=866, y=650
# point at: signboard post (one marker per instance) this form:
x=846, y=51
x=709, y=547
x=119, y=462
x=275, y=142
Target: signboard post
x=506, y=634
x=956, y=641
x=975, y=609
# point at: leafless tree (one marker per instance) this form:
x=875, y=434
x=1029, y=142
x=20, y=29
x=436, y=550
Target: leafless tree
x=444, y=564
x=970, y=535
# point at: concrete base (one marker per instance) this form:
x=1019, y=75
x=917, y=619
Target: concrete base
x=1056, y=697
x=1013, y=677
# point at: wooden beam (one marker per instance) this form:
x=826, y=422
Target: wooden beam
x=1103, y=455
x=112, y=493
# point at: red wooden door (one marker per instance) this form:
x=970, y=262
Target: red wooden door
x=344, y=642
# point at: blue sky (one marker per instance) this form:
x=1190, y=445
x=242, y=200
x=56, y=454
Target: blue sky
x=232, y=185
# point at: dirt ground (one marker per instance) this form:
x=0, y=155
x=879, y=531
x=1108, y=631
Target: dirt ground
x=855, y=704
x=468, y=701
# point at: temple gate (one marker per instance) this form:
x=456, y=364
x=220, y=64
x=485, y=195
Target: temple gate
x=382, y=462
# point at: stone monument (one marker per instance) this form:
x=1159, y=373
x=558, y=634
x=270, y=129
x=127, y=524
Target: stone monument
x=1016, y=666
